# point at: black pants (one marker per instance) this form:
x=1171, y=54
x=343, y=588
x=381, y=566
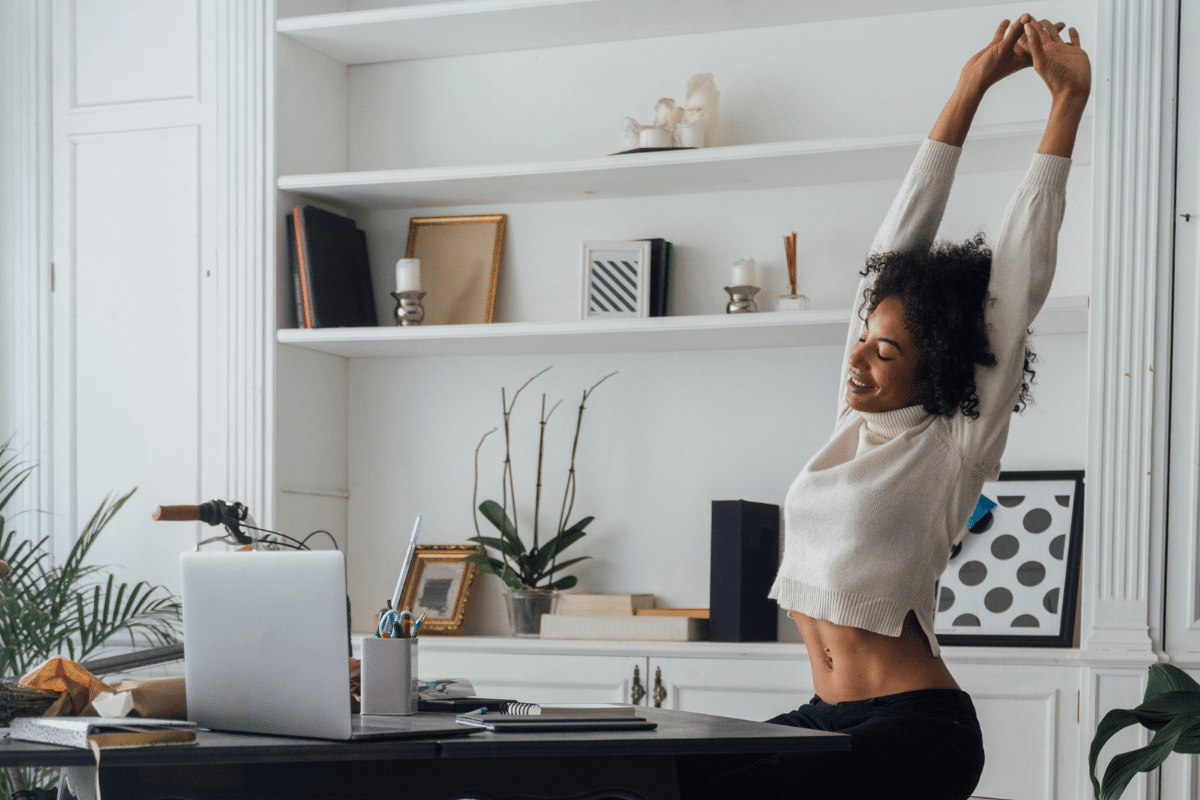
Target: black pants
x=924, y=744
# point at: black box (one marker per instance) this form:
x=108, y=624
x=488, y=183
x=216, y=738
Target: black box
x=745, y=556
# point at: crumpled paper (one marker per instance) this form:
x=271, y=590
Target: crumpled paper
x=83, y=694
x=78, y=686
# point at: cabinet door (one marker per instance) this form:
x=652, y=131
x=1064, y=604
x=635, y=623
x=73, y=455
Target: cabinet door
x=540, y=678
x=743, y=688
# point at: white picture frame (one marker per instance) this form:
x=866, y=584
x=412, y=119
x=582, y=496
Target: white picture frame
x=615, y=280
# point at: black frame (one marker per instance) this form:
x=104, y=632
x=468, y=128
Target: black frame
x=1070, y=589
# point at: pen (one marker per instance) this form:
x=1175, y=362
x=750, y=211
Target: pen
x=412, y=546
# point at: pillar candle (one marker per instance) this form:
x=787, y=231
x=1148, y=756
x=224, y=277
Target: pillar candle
x=408, y=275
x=744, y=273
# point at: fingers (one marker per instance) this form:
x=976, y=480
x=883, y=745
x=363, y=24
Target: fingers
x=1000, y=31
x=1074, y=37
x=1010, y=37
x=1034, y=34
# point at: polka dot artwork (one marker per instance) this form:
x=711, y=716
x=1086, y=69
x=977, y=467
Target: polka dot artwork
x=1015, y=565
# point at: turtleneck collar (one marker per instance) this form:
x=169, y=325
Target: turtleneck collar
x=891, y=424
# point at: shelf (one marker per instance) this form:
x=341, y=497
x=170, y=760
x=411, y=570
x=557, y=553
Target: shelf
x=437, y=30
x=756, y=166
x=671, y=334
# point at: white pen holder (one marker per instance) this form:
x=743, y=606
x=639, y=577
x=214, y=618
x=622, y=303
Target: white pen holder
x=389, y=676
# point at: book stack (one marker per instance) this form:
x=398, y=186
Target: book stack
x=331, y=275
x=620, y=617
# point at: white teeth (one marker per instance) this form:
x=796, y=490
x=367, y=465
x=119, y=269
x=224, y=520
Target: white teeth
x=857, y=382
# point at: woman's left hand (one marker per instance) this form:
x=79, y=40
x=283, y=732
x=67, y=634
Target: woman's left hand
x=1064, y=67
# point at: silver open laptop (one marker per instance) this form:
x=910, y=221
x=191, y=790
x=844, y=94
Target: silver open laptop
x=266, y=648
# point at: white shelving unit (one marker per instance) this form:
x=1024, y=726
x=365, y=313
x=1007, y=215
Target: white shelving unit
x=693, y=386
x=715, y=332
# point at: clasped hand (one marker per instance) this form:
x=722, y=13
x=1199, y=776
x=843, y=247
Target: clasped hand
x=1063, y=66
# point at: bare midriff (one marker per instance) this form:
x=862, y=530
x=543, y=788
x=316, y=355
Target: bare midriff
x=856, y=664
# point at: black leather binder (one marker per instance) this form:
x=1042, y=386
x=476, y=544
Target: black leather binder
x=330, y=270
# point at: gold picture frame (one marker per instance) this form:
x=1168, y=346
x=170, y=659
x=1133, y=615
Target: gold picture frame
x=438, y=585
x=460, y=266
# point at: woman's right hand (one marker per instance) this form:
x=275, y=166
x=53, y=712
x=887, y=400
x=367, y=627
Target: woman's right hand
x=1003, y=56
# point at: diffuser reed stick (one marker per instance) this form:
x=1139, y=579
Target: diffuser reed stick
x=789, y=249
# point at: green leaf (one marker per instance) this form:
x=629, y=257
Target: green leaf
x=1156, y=712
x=562, y=564
x=565, y=583
x=564, y=540
x=1113, y=722
x=494, y=513
x=496, y=544
x=1125, y=766
x=1165, y=678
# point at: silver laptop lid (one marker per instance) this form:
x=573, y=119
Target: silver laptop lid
x=266, y=642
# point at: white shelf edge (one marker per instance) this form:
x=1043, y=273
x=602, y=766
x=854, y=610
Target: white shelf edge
x=774, y=651
x=671, y=172
x=662, y=334
x=472, y=27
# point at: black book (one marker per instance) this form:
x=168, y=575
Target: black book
x=330, y=270
x=660, y=276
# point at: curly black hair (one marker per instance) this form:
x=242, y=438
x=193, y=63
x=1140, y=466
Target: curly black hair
x=943, y=291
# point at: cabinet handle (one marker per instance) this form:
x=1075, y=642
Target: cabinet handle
x=637, y=692
x=660, y=691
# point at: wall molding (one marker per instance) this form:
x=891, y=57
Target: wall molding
x=1129, y=345
x=25, y=252
x=241, y=317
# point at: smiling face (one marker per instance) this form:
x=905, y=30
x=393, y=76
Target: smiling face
x=885, y=364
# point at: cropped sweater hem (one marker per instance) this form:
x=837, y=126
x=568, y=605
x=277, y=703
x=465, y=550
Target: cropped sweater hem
x=877, y=614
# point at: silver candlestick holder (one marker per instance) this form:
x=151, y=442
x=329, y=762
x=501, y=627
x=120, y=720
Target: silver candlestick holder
x=409, y=310
x=741, y=299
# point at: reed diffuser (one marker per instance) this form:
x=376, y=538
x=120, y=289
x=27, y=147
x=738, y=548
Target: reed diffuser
x=793, y=300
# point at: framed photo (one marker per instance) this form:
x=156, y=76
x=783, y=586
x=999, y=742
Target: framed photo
x=460, y=266
x=616, y=280
x=438, y=585
x=1014, y=581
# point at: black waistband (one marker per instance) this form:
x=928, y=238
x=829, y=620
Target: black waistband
x=928, y=699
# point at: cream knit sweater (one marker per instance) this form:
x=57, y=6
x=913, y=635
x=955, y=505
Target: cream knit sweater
x=870, y=520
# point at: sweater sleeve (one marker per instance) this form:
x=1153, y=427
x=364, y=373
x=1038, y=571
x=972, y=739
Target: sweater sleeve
x=1023, y=261
x=911, y=222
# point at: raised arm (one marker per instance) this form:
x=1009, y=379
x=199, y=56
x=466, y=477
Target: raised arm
x=1025, y=251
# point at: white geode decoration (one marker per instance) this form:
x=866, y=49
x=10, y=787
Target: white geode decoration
x=694, y=124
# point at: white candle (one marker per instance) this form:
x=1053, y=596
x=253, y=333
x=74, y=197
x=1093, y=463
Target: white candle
x=744, y=273
x=408, y=275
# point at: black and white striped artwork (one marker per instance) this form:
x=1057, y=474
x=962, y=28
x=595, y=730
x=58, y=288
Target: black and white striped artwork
x=615, y=279
x=1015, y=575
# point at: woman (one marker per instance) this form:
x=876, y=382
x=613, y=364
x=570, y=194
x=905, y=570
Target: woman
x=934, y=368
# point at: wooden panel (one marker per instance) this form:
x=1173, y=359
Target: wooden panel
x=136, y=229
x=129, y=51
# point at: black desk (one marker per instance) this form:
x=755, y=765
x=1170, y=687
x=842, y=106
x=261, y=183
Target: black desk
x=629, y=764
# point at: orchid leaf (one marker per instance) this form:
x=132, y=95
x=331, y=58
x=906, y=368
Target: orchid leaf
x=496, y=544
x=494, y=513
x=565, y=583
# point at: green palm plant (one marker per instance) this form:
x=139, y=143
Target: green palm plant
x=521, y=566
x=71, y=608
x=1170, y=708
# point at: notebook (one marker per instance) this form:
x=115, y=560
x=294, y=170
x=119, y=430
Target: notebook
x=267, y=637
